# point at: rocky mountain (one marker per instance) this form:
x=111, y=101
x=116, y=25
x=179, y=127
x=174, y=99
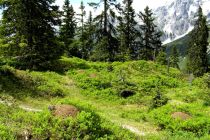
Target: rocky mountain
x=176, y=18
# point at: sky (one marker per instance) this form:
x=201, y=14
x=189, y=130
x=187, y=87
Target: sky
x=138, y=5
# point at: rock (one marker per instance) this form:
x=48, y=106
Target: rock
x=181, y=115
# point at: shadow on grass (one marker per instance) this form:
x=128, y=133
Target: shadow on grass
x=16, y=86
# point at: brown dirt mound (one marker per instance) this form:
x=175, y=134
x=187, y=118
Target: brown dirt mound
x=93, y=75
x=81, y=71
x=64, y=110
x=181, y=115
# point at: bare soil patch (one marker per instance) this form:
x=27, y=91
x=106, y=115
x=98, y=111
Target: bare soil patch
x=181, y=115
x=64, y=111
x=93, y=75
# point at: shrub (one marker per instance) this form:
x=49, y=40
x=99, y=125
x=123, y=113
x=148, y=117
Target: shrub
x=198, y=123
x=203, y=82
x=6, y=133
x=159, y=100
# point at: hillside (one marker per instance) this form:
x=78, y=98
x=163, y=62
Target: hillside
x=182, y=44
x=177, y=17
x=130, y=100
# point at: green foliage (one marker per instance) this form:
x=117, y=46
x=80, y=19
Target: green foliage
x=6, y=133
x=30, y=36
x=174, y=58
x=128, y=31
x=159, y=100
x=198, y=124
x=197, y=53
x=87, y=125
x=106, y=45
x=74, y=49
x=161, y=58
x=100, y=51
x=151, y=36
x=68, y=28
x=128, y=76
x=94, y=88
x=204, y=83
x=33, y=83
x=181, y=44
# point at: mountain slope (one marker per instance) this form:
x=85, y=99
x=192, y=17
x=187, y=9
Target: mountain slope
x=182, y=44
x=177, y=17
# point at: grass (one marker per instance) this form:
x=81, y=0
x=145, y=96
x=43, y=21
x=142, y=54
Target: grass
x=96, y=88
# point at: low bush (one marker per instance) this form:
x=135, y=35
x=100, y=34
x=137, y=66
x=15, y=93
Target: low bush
x=6, y=133
x=159, y=100
x=43, y=125
x=198, y=123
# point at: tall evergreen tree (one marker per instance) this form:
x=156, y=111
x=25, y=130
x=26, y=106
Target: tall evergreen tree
x=28, y=26
x=150, y=35
x=107, y=43
x=197, y=53
x=162, y=57
x=82, y=16
x=127, y=27
x=68, y=27
x=81, y=36
x=89, y=31
x=174, y=57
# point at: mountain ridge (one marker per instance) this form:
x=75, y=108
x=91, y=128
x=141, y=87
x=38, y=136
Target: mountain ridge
x=177, y=17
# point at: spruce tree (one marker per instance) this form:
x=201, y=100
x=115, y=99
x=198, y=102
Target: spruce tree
x=127, y=29
x=174, y=57
x=68, y=27
x=161, y=58
x=123, y=51
x=150, y=35
x=197, y=52
x=107, y=44
x=81, y=30
x=89, y=31
x=28, y=28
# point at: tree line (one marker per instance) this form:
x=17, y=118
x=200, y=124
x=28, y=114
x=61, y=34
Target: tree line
x=35, y=33
x=113, y=35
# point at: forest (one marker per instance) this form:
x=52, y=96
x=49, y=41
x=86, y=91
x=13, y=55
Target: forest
x=76, y=75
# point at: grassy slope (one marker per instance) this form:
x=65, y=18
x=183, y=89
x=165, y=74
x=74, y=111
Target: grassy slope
x=97, y=86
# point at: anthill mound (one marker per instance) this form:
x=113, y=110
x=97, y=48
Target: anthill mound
x=64, y=111
x=181, y=115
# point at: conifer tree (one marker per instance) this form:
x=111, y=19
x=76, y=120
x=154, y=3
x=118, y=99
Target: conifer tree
x=82, y=16
x=89, y=31
x=81, y=30
x=150, y=35
x=161, y=58
x=28, y=26
x=107, y=44
x=197, y=53
x=68, y=27
x=128, y=32
x=174, y=57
